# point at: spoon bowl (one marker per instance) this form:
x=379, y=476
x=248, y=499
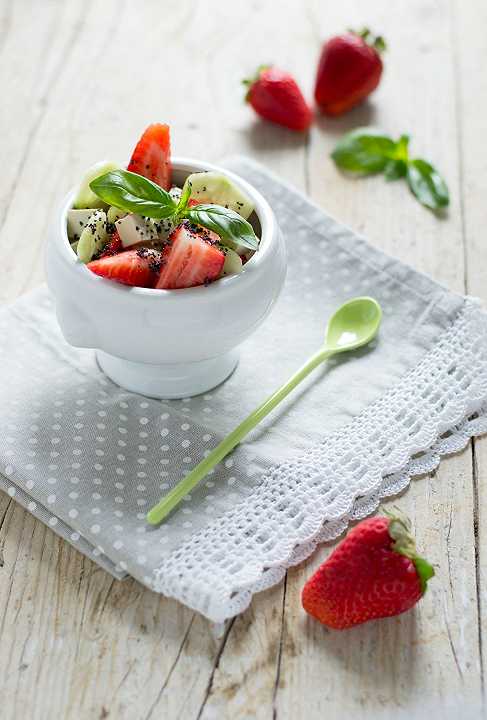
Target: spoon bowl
x=353, y=325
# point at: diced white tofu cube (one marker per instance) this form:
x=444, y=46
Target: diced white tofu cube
x=134, y=229
x=77, y=219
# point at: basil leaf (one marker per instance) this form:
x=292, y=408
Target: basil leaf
x=427, y=185
x=395, y=169
x=184, y=199
x=228, y=224
x=364, y=151
x=134, y=193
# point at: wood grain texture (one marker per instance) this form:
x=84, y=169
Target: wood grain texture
x=79, y=81
x=470, y=47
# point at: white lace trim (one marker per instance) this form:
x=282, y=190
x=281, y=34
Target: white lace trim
x=432, y=412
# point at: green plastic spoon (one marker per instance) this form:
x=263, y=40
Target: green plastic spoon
x=353, y=325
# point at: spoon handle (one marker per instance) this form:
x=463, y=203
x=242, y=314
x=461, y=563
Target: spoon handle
x=174, y=497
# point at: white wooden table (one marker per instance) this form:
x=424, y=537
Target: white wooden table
x=80, y=80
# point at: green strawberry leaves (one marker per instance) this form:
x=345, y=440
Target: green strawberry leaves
x=375, y=41
x=135, y=193
x=248, y=82
x=404, y=544
x=425, y=571
x=366, y=151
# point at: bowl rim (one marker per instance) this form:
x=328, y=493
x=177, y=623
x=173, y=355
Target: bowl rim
x=269, y=236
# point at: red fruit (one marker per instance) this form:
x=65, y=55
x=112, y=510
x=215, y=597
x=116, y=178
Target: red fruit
x=373, y=573
x=113, y=246
x=275, y=96
x=191, y=258
x=132, y=267
x=349, y=69
x=152, y=156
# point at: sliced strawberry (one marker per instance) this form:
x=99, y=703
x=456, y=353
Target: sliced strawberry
x=192, y=202
x=113, y=246
x=132, y=267
x=191, y=258
x=152, y=156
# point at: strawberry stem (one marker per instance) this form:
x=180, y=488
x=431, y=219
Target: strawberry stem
x=374, y=41
x=425, y=572
x=248, y=82
x=404, y=544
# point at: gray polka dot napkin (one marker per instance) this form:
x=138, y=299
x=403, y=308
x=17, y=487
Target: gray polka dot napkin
x=89, y=459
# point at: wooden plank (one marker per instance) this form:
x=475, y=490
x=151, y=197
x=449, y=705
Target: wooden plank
x=243, y=684
x=430, y=657
x=470, y=43
x=38, y=42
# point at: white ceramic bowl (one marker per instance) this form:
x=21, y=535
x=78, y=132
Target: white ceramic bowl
x=167, y=343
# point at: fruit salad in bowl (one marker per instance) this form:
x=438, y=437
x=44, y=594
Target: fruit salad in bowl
x=164, y=268
x=137, y=227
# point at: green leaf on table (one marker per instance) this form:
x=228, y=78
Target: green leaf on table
x=134, y=193
x=427, y=184
x=364, y=151
x=228, y=224
x=395, y=169
x=401, y=151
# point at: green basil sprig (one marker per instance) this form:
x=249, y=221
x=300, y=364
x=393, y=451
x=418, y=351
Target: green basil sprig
x=135, y=193
x=228, y=224
x=366, y=151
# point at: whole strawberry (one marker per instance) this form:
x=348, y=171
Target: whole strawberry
x=374, y=572
x=275, y=96
x=349, y=69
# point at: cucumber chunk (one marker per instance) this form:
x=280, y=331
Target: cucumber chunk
x=163, y=228
x=213, y=187
x=85, y=197
x=114, y=214
x=77, y=219
x=237, y=248
x=232, y=264
x=94, y=236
